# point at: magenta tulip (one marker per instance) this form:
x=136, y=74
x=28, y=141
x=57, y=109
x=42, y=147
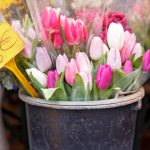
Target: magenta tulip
x=103, y=76
x=146, y=61
x=53, y=76
x=128, y=67
x=50, y=19
x=130, y=41
x=57, y=40
x=61, y=63
x=70, y=72
x=43, y=60
x=74, y=30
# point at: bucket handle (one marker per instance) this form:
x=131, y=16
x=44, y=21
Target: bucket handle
x=137, y=106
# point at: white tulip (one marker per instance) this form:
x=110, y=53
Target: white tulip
x=115, y=36
x=38, y=75
x=137, y=51
x=105, y=49
x=114, y=58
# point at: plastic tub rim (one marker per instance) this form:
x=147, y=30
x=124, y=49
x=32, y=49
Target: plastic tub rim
x=78, y=105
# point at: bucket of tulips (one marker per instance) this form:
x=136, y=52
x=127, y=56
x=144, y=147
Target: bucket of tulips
x=88, y=74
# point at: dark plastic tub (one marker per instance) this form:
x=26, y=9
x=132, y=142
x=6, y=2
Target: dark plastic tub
x=91, y=125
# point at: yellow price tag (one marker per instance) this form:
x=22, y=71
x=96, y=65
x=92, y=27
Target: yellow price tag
x=10, y=45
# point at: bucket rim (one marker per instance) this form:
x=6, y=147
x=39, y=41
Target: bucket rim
x=77, y=105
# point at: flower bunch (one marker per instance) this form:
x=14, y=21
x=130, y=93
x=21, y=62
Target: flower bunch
x=87, y=66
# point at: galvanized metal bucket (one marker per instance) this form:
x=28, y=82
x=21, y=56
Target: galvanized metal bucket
x=3, y=142
x=89, y=125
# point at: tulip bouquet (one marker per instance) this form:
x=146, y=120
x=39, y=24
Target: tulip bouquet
x=73, y=62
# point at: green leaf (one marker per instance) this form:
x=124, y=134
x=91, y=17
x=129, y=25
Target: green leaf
x=126, y=81
x=95, y=91
x=117, y=75
x=56, y=94
x=35, y=83
x=104, y=94
x=78, y=90
x=47, y=93
x=137, y=63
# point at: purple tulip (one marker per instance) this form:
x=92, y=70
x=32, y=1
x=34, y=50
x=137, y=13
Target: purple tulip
x=128, y=67
x=53, y=76
x=103, y=76
x=146, y=61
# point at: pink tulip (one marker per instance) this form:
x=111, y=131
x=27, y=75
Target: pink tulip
x=57, y=40
x=61, y=63
x=43, y=60
x=83, y=62
x=146, y=61
x=114, y=59
x=27, y=51
x=128, y=67
x=16, y=25
x=130, y=41
x=87, y=80
x=53, y=76
x=96, y=48
x=50, y=19
x=103, y=76
x=70, y=72
x=75, y=31
x=137, y=51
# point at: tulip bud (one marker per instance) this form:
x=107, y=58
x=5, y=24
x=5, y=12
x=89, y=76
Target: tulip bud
x=146, y=61
x=130, y=41
x=50, y=19
x=114, y=59
x=38, y=75
x=128, y=67
x=74, y=30
x=16, y=25
x=61, y=63
x=137, y=51
x=70, y=72
x=96, y=48
x=103, y=76
x=83, y=62
x=43, y=60
x=27, y=51
x=105, y=49
x=115, y=36
x=53, y=76
x=31, y=33
x=87, y=79
x=57, y=40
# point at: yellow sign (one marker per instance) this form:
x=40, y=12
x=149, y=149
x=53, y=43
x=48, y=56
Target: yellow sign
x=10, y=43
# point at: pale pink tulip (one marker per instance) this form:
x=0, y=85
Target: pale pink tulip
x=57, y=40
x=31, y=33
x=96, y=48
x=128, y=67
x=103, y=76
x=130, y=41
x=61, y=63
x=83, y=62
x=43, y=60
x=70, y=72
x=16, y=25
x=53, y=76
x=50, y=19
x=115, y=36
x=114, y=59
x=137, y=51
x=87, y=80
